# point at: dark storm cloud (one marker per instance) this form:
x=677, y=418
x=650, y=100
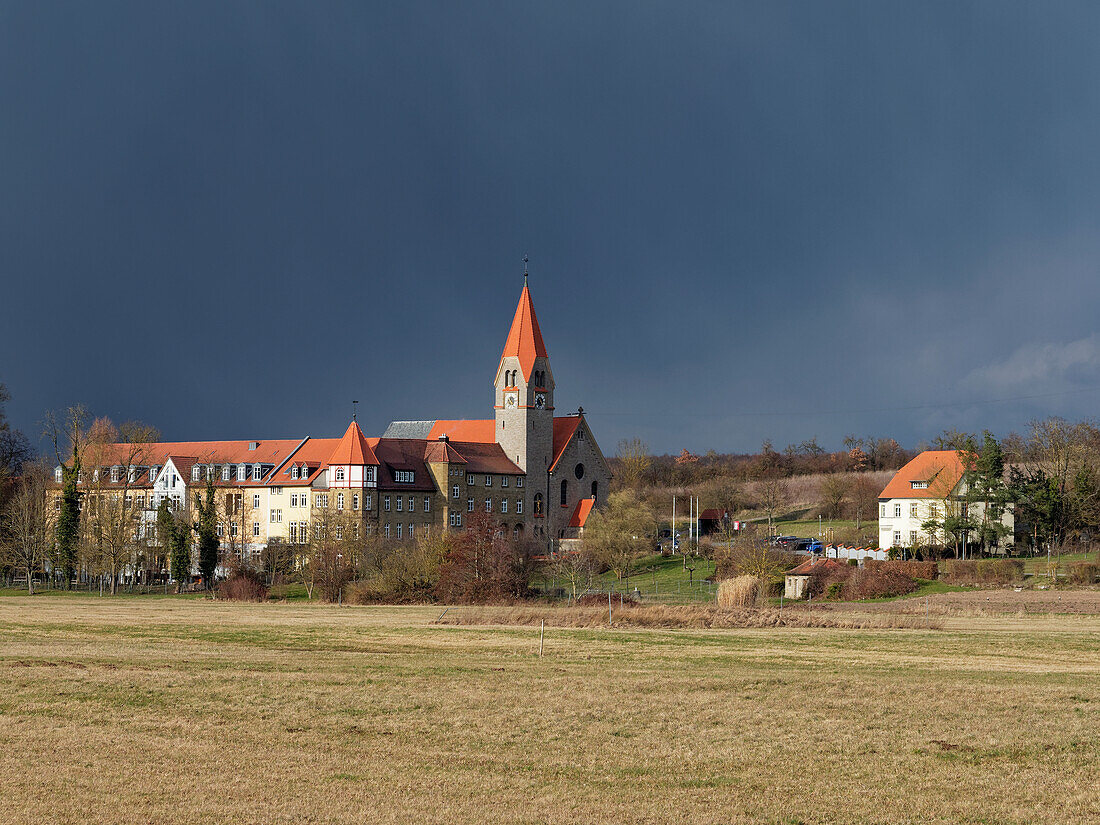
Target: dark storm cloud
x=745, y=220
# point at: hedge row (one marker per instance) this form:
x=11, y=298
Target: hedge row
x=983, y=571
x=1084, y=572
x=927, y=570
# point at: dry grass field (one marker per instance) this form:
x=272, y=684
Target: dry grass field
x=163, y=710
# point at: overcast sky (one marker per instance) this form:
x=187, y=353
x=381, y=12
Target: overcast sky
x=745, y=220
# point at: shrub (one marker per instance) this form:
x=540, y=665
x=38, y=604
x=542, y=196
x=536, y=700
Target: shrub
x=243, y=585
x=833, y=590
x=877, y=582
x=743, y=591
x=822, y=577
x=853, y=562
x=983, y=571
x=1084, y=572
x=927, y=570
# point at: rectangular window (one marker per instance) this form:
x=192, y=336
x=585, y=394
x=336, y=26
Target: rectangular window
x=504, y=481
x=488, y=505
x=452, y=514
x=255, y=528
x=339, y=501
x=355, y=501
x=882, y=511
x=897, y=511
x=276, y=491
x=225, y=473
x=294, y=473
x=933, y=511
x=913, y=510
x=469, y=505
x=386, y=530
x=279, y=516
x=355, y=530
x=195, y=472
x=366, y=502
x=272, y=515
x=221, y=530
x=338, y=531
x=454, y=491
x=488, y=481
x=519, y=506
x=412, y=504
x=504, y=505
x=256, y=501
x=427, y=504
x=404, y=476
x=293, y=499
x=519, y=481
x=233, y=529
x=386, y=503
x=912, y=538
x=292, y=532
x=240, y=472
x=470, y=479
x=399, y=531
x=400, y=502
x=339, y=473
x=897, y=538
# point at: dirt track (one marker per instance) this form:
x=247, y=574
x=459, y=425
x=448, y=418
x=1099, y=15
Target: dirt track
x=1081, y=602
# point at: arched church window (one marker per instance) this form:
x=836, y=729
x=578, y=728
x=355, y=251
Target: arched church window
x=564, y=491
x=595, y=485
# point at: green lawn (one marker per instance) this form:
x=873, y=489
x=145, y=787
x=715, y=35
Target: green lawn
x=656, y=578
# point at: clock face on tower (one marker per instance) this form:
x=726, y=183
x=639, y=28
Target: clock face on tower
x=540, y=399
x=511, y=400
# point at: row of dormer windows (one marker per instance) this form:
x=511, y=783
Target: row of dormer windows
x=226, y=472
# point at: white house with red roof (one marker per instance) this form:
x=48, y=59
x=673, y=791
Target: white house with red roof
x=925, y=491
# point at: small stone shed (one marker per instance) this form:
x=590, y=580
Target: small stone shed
x=797, y=585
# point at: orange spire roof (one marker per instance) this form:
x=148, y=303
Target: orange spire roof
x=525, y=338
x=353, y=448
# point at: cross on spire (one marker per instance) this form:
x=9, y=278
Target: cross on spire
x=525, y=270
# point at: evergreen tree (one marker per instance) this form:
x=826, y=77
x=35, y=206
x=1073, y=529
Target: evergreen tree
x=176, y=539
x=68, y=520
x=208, y=534
x=985, y=485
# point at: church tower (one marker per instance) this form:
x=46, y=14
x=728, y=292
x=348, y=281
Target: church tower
x=524, y=396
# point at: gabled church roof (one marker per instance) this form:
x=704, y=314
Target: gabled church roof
x=353, y=448
x=525, y=338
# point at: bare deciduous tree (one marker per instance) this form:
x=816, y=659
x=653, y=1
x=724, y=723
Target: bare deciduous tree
x=28, y=523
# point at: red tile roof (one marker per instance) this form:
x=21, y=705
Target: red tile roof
x=484, y=432
x=563, y=432
x=581, y=511
x=812, y=565
x=486, y=458
x=525, y=338
x=353, y=448
x=441, y=452
x=469, y=430
x=940, y=469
